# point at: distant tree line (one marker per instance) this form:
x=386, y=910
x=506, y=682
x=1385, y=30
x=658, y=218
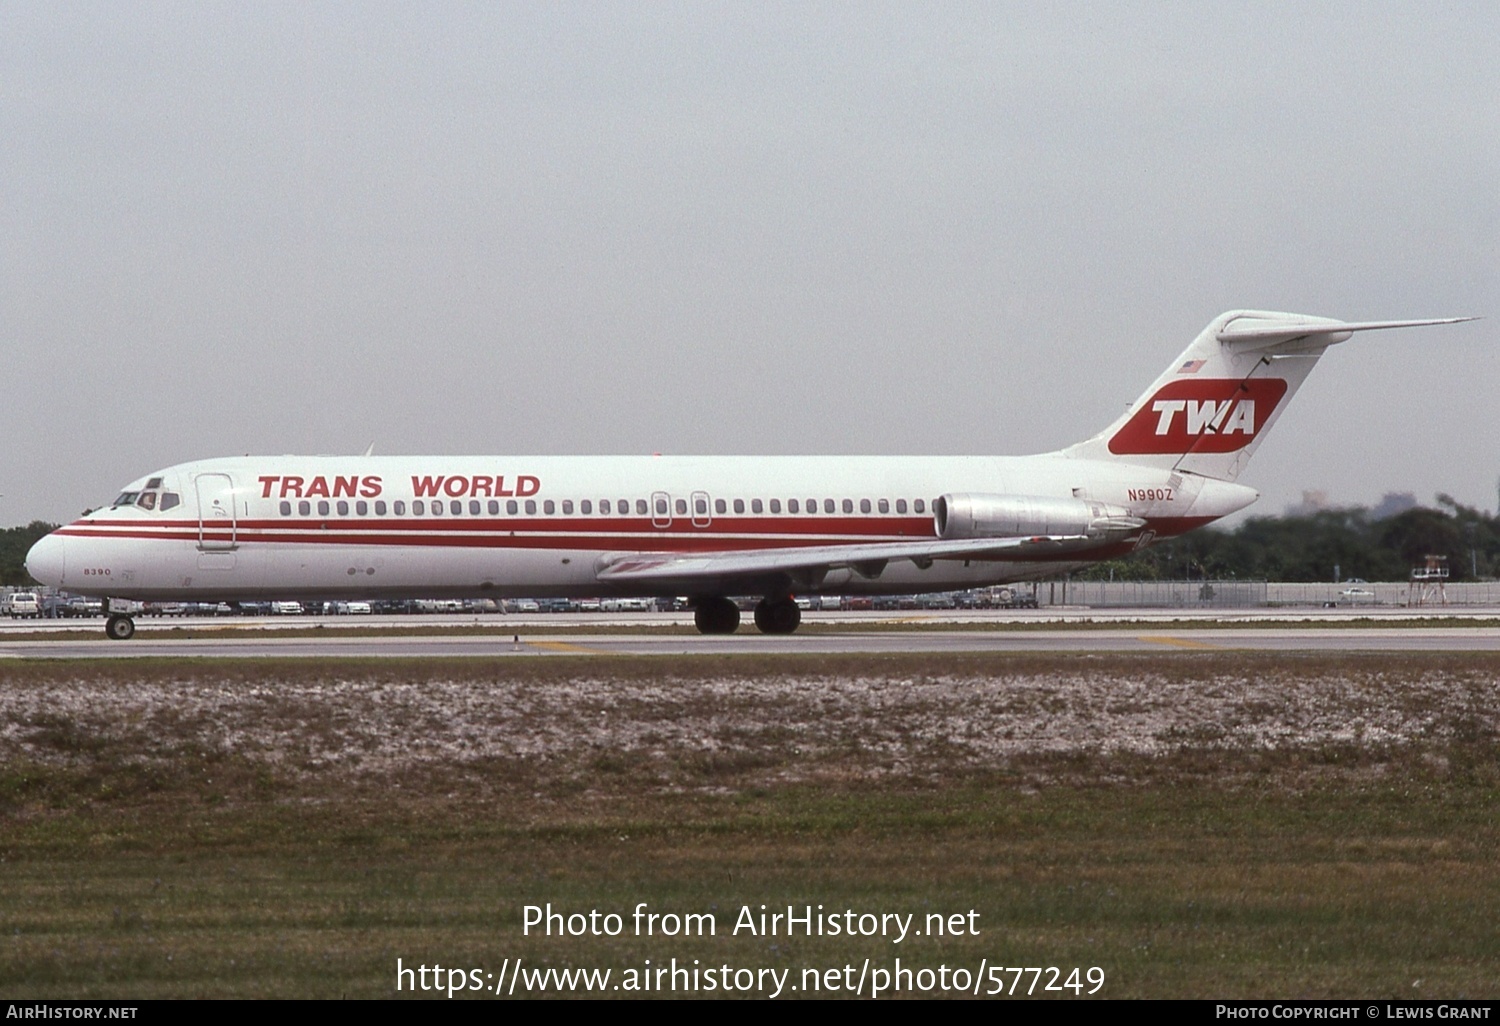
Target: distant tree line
x=1310, y=547
x=1288, y=548
x=15, y=542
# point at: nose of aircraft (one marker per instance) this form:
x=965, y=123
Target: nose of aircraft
x=46, y=561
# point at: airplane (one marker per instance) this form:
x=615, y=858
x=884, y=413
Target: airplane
x=708, y=527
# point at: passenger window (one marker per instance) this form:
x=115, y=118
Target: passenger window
x=494, y=507
x=791, y=506
x=604, y=506
x=661, y=507
x=474, y=508
x=719, y=506
x=900, y=505
x=849, y=505
x=567, y=507
x=586, y=507
x=682, y=507
x=455, y=507
x=640, y=506
x=512, y=507
x=418, y=508
x=286, y=508
x=739, y=505
x=304, y=508
x=362, y=508
x=757, y=507
x=700, y=506
x=549, y=507
x=918, y=506
x=343, y=508
x=530, y=507
x=864, y=505
x=399, y=508
x=884, y=505
x=322, y=507
x=827, y=505
x=775, y=505
x=380, y=507
x=169, y=500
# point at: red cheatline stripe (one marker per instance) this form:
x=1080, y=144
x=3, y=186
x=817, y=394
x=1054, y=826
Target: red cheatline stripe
x=602, y=543
x=603, y=535
x=790, y=525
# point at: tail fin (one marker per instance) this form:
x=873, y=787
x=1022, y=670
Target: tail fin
x=1208, y=411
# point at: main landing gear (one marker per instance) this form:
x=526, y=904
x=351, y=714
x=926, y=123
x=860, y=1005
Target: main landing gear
x=119, y=627
x=718, y=615
x=777, y=616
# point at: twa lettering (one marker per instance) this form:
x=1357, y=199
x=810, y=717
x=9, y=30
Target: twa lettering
x=478, y=485
x=293, y=487
x=1212, y=415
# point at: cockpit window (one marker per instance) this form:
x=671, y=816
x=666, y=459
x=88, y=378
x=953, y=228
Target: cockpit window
x=170, y=500
x=155, y=482
x=126, y=499
x=147, y=500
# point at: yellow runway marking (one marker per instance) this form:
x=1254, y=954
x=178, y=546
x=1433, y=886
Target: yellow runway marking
x=564, y=646
x=1182, y=643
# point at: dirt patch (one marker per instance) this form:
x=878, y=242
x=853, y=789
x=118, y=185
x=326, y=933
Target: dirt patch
x=597, y=725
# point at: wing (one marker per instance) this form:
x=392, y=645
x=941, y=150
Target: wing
x=753, y=570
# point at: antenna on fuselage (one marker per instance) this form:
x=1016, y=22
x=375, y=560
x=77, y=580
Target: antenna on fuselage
x=370, y=449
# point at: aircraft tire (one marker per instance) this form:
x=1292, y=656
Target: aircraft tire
x=119, y=628
x=716, y=616
x=777, y=616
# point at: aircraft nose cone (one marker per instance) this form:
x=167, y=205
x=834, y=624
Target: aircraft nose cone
x=46, y=562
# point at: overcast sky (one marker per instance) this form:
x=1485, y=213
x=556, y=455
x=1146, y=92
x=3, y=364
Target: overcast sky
x=734, y=228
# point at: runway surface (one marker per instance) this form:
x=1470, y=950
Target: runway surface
x=1047, y=631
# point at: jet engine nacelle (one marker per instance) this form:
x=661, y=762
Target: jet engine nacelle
x=975, y=515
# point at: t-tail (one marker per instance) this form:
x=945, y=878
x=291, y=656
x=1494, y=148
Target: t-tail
x=1209, y=410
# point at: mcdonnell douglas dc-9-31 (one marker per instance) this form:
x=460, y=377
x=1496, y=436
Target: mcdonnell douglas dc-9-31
x=706, y=527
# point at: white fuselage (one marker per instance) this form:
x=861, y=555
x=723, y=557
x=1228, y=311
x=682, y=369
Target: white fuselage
x=369, y=527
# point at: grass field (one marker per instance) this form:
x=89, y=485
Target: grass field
x=1194, y=824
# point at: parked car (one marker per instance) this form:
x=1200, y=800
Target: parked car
x=165, y=609
x=78, y=606
x=23, y=605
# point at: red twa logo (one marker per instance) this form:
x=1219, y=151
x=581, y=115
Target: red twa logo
x=1212, y=415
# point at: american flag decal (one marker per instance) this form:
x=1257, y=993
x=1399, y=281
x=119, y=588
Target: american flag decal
x=1191, y=367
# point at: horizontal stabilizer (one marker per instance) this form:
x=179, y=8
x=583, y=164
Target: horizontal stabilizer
x=1256, y=333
